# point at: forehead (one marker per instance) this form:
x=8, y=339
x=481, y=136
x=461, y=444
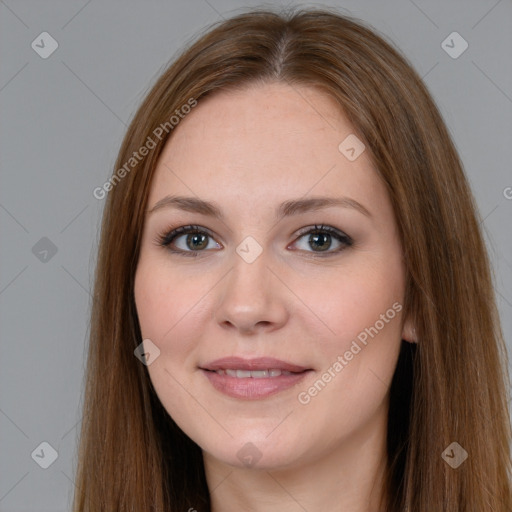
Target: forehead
x=263, y=143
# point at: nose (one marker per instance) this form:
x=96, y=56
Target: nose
x=251, y=298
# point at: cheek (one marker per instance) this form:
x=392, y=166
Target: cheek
x=363, y=312
x=155, y=307
x=162, y=301
x=350, y=302
x=167, y=317
x=171, y=310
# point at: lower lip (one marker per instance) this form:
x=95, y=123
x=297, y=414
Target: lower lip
x=251, y=388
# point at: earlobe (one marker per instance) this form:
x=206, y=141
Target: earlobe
x=409, y=332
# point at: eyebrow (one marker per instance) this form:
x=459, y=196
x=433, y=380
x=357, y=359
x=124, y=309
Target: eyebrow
x=285, y=209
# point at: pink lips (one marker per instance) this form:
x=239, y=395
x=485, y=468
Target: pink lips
x=253, y=388
x=259, y=363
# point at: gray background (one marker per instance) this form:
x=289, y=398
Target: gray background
x=63, y=119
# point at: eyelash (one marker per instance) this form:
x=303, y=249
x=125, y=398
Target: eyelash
x=166, y=238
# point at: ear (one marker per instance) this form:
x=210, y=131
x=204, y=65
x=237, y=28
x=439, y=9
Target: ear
x=409, y=331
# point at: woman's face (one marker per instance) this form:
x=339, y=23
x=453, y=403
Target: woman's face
x=295, y=257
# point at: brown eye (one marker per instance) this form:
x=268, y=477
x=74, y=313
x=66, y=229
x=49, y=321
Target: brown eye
x=188, y=240
x=321, y=239
x=197, y=241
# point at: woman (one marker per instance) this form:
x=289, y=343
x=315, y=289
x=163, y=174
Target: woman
x=293, y=305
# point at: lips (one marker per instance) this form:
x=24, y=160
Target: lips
x=254, y=366
x=255, y=374
x=253, y=379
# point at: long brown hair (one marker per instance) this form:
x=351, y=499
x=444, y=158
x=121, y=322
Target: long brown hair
x=451, y=387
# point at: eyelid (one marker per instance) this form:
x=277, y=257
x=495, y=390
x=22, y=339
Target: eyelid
x=325, y=228
x=168, y=235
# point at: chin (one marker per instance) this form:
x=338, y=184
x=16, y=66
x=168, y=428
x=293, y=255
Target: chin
x=265, y=454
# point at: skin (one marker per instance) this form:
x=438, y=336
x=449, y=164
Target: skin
x=248, y=151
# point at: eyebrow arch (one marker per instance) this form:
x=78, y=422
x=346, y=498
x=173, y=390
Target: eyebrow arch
x=288, y=208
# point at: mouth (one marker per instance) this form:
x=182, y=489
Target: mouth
x=255, y=374
x=257, y=364
x=252, y=379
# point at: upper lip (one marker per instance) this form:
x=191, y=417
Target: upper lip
x=259, y=363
